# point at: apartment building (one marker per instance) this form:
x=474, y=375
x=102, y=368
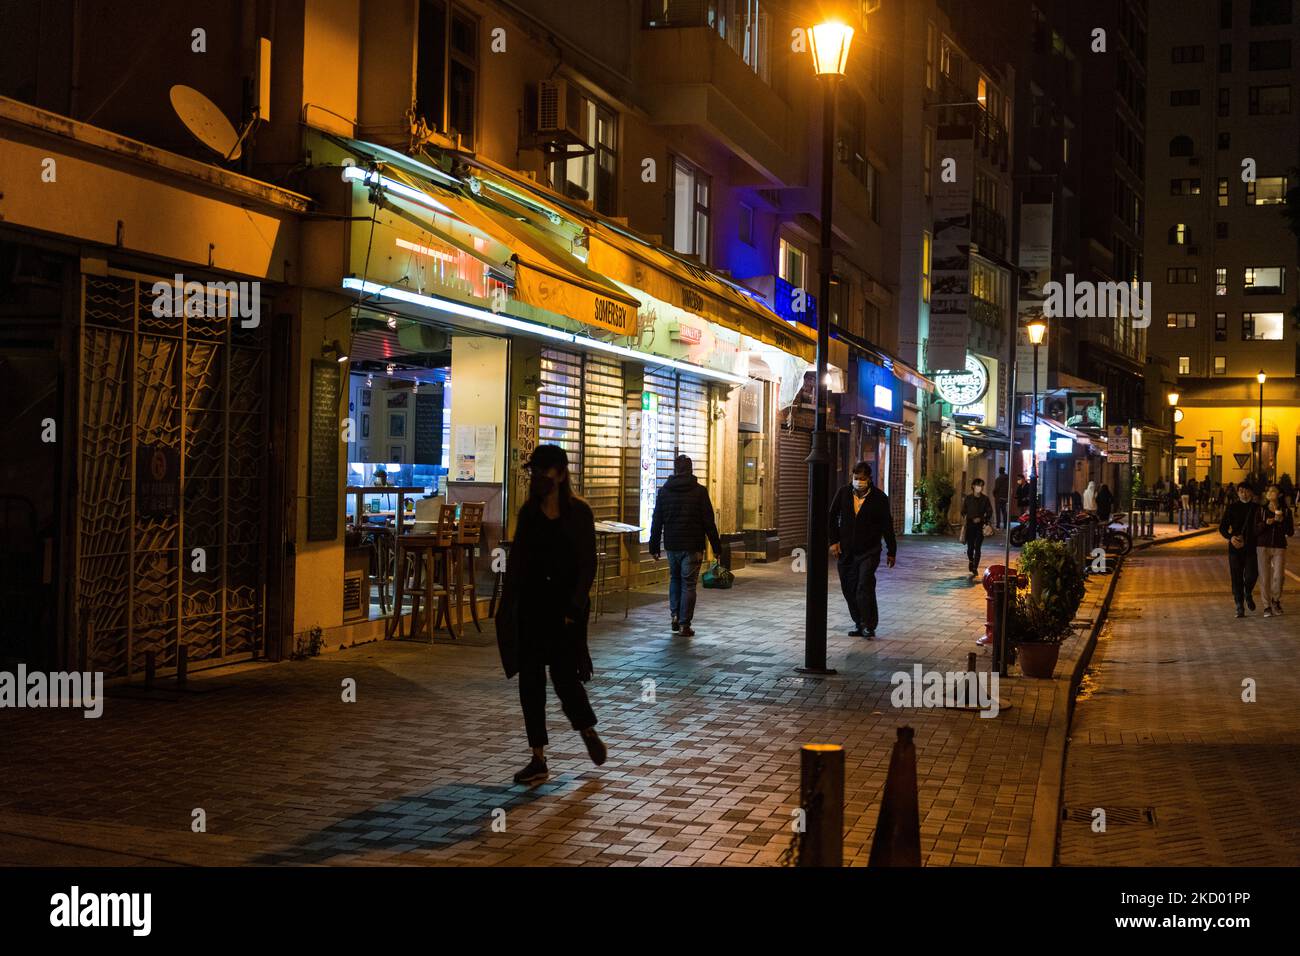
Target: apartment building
x=1219, y=249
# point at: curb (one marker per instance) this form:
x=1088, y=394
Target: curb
x=1044, y=824
x=1181, y=536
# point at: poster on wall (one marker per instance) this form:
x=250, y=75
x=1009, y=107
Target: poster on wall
x=465, y=461
x=649, y=461
x=485, y=453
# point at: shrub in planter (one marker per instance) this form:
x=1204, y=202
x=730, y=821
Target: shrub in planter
x=936, y=492
x=1040, y=620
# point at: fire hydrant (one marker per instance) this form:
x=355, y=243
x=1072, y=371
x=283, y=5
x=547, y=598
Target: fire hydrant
x=995, y=583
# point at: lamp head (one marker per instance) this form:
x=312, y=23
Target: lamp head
x=1173, y=398
x=1261, y=377
x=1037, y=329
x=830, y=47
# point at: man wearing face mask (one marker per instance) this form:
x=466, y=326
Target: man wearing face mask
x=1239, y=525
x=975, y=512
x=860, y=519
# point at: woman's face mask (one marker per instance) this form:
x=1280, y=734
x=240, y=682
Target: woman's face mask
x=861, y=484
x=542, y=483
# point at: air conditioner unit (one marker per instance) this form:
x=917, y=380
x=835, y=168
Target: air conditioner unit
x=559, y=110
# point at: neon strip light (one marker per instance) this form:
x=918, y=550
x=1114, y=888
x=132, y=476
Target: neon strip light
x=426, y=250
x=399, y=189
x=532, y=328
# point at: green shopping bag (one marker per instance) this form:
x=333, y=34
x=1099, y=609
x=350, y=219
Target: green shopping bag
x=716, y=576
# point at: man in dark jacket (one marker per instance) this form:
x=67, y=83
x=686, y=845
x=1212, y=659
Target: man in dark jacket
x=1000, y=489
x=1239, y=525
x=683, y=518
x=975, y=513
x=860, y=518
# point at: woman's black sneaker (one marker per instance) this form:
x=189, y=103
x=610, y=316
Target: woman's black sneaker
x=676, y=625
x=536, y=770
x=595, y=746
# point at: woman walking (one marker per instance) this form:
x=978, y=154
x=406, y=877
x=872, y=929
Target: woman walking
x=1105, y=502
x=1090, y=497
x=545, y=605
x=1273, y=526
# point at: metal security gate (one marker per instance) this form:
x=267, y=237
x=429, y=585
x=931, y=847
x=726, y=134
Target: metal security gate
x=683, y=421
x=172, y=466
x=602, y=437
x=793, y=448
x=559, y=407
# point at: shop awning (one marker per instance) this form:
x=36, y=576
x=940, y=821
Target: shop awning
x=693, y=288
x=543, y=276
x=981, y=436
x=616, y=253
x=902, y=371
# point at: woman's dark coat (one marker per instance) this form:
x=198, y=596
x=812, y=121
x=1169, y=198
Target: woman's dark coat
x=577, y=524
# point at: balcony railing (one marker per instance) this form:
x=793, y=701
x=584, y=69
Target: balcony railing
x=745, y=25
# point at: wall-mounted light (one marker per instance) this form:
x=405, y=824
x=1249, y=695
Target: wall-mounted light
x=334, y=348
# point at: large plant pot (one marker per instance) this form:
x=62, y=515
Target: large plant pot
x=1038, y=660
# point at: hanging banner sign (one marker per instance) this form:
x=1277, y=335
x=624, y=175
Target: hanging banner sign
x=537, y=288
x=1117, y=439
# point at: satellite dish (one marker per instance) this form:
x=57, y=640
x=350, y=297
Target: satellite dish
x=206, y=122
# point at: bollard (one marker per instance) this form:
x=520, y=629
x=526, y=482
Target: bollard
x=150, y=668
x=182, y=665
x=821, y=789
x=898, y=828
x=972, y=665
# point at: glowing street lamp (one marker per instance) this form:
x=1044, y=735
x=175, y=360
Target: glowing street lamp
x=1036, y=328
x=1172, y=397
x=1259, y=432
x=830, y=52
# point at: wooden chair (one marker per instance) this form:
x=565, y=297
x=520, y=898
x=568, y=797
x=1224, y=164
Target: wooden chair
x=423, y=570
x=468, y=537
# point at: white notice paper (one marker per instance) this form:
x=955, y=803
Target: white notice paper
x=485, y=453
x=465, y=463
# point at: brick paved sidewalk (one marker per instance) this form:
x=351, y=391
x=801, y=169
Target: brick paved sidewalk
x=706, y=773
x=1161, y=723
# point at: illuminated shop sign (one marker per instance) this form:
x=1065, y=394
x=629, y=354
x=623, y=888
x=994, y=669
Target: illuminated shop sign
x=879, y=394
x=966, y=387
x=786, y=297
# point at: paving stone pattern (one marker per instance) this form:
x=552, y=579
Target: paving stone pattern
x=705, y=774
x=1161, y=722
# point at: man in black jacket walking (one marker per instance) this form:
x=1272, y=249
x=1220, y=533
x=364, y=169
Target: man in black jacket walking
x=860, y=518
x=1238, y=525
x=683, y=518
x=976, y=513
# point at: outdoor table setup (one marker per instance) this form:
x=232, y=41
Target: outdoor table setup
x=604, y=531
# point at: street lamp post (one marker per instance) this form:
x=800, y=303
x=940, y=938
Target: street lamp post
x=830, y=51
x=1259, y=432
x=1037, y=329
x=1172, y=398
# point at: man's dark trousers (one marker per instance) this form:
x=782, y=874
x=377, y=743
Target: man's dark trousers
x=858, y=582
x=1243, y=565
x=974, y=544
x=1000, y=511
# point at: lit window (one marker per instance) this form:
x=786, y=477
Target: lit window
x=929, y=56
x=793, y=266
x=925, y=267
x=1178, y=234
x=1266, y=191
x=690, y=210
x=1221, y=281
x=1184, y=365
x=1265, y=281
x=1180, y=320
x=591, y=176
x=1262, y=327
x=1220, y=364
x=1220, y=326
x=983, y=94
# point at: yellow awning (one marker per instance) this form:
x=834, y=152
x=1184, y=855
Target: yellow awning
x=694, y=289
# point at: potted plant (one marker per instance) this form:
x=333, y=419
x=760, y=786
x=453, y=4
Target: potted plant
x=1040, y=620
x=936, y=491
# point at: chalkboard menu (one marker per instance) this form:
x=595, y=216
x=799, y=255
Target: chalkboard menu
x=428, y=427
x=323, y=452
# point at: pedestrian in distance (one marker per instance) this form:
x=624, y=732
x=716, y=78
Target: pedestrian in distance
x=1273, y=525
x=860, y=519
x=976, y=513
x=1022, y=494
x=683, y=518
x=1238, y=526
x=1090, y=497
x=1105, y=503
x=545, y=606
x=1000, y=490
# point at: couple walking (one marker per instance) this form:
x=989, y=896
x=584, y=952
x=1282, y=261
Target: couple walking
x=1256, y=533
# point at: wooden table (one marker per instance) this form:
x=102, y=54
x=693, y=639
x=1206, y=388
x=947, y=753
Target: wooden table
x=401, y=491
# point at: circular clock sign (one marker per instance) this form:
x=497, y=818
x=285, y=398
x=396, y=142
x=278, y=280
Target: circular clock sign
x=966, y=387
